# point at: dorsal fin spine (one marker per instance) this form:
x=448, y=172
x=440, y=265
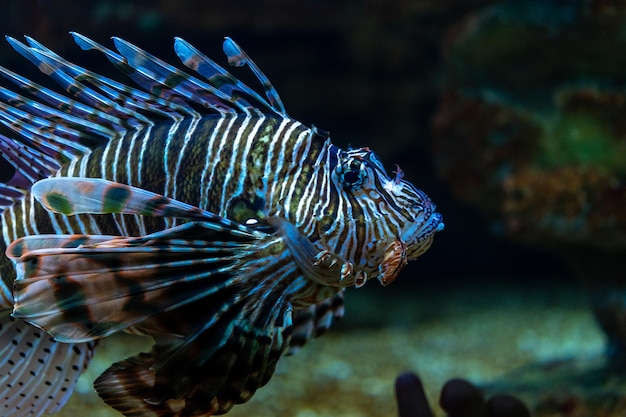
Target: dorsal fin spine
x=187, y=86
x=164, y=105
x=237, y=57
x=58, y=101
x=54, y=129
x=51, y=114
x=217, y=76
x=56, y=70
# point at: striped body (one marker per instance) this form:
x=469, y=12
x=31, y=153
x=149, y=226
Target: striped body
x=164, y=158
x=227, y=234
x=287, y=172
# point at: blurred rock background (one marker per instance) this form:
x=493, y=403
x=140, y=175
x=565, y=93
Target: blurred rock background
x=509, y=114
x=530, y=129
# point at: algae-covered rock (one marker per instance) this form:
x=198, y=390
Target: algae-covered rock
x=531, y=129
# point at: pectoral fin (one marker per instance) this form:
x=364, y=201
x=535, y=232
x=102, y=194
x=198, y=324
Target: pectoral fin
x=215, y=295
x=83, y=287
x=37, y=374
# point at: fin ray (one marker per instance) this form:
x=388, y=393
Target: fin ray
x=46, y=64
x=237, y=57
x=76, y=295
x=315, y=320
x=58, y=101
x=176, y=80
x=52, y=129
x=221, y=79
x=43, y=382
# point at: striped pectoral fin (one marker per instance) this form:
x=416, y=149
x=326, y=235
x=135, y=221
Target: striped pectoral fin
x=76, y=195
x=191, y=384
x=80, y=288
x=69, y=196
x=37, y=374
x=80, y=293
x=315, y=320
x=231, y=344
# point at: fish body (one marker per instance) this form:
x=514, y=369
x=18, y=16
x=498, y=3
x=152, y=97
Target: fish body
x=192, y=210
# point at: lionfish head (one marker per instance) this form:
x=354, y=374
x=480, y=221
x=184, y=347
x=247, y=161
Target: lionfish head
x=399, y=220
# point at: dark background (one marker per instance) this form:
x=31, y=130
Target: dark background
x=370, y=72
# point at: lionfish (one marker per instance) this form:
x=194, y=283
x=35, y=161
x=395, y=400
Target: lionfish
x=191, y=209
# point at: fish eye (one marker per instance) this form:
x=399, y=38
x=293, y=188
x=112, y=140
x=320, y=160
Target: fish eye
x=352, y=173
x=351, y=178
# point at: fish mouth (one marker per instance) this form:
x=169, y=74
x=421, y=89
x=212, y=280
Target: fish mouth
x=418, y=236
x=434, y=224
x=422, y=229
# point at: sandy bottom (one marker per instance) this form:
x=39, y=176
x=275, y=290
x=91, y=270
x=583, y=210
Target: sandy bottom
x=482, y=334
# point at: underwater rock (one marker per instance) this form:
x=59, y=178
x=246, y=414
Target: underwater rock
x=530, y=130
x=459, y=398
x=547, y=183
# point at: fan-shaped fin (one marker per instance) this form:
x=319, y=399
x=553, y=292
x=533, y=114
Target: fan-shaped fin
x=213, y=367
x=215, y=295
x=37, y=374
x=216, y=303
x=315, y=320
x=86, y=292
x=191, y=382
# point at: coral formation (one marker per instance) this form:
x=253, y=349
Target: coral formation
x=459, y=398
